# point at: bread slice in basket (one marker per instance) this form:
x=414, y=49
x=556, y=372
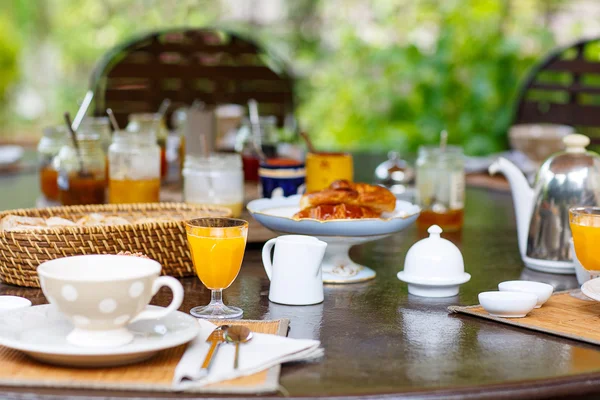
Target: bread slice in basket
x=152, y=233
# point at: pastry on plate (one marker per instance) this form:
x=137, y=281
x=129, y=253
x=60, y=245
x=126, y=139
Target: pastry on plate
x=326, y=212
x=375, y=197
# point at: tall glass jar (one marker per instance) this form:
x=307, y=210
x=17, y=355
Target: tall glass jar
x=48, y=147
x=214, y=180
x=440, y=184
x=248, y=141
x=155, y=124
x=99, y=126
x=134, y=164
x=77, y=185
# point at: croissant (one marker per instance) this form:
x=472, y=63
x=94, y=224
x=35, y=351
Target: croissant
x=375, y=197
x=326, y=212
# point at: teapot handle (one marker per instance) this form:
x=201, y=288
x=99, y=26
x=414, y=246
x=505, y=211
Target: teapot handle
x=266, y=257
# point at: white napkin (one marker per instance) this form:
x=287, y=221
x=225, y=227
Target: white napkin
x=262, y=352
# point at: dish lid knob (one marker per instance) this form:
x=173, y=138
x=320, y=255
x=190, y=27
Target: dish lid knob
x=576, y=143
x=434, y=231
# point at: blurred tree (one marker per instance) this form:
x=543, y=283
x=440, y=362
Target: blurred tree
x=9, y=51
x=452, y=65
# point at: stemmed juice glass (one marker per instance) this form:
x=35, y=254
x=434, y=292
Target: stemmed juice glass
x=585, y=227
x=217, y=246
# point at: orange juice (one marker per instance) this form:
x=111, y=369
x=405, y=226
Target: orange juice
x=322, y=169
x=217, y=260
x=133, y=191
x=586, y=238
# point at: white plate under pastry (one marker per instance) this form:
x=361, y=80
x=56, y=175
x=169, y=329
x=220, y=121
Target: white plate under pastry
x=277, y=214
x=40, y=332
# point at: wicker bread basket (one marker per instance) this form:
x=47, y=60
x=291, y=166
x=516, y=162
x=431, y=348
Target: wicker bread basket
x=22, y=251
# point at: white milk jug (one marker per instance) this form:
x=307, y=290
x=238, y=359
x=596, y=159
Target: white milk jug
x=295, y=272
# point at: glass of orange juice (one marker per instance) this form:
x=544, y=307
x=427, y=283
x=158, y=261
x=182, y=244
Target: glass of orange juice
x=217, y=246
x=322, y=169
x=585, y=227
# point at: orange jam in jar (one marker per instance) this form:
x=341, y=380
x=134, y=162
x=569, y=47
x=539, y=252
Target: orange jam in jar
x=48, y=148
x=134, y=191
x=48, y=185
x=82, y=173
x=77, y=188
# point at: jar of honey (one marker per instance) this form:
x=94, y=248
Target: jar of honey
x=82, y=175
x=134, y=165
x=154, y=124
x=215, y=180
x=48, y=147
x=440, y=184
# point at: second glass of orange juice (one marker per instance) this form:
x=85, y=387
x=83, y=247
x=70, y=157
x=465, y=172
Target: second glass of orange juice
x=217, y=246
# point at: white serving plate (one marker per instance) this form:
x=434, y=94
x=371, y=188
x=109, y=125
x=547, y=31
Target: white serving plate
x=340, y=235
x=41, y=332
x=276, y=214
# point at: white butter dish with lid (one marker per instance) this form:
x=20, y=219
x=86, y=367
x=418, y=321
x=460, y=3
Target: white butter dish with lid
x=434, y=267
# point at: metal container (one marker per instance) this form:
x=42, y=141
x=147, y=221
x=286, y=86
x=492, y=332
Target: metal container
x=566, y=179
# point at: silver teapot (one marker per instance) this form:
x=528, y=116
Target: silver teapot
x=566, y=179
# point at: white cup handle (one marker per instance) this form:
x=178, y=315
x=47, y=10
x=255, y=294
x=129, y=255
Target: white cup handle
x=266, y=257
x=177, y=290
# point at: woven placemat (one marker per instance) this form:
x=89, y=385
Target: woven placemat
x=562, y=315
x=155, y=374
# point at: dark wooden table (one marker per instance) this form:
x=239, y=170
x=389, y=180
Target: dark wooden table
x=382, y=342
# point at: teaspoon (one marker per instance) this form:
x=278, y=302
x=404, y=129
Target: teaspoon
x=237, y=334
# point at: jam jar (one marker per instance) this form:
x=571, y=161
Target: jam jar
x=82, y=176
x=134, y=164
x=48, y=147
x=152, y=123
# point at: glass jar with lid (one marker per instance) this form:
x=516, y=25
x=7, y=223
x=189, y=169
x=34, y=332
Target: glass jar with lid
x=134, y=164
x=152, y=123
x=215, y=180
x=82, y=175
x=248, y=143
x=440, y=184
x=99, y=126
x=48, y=147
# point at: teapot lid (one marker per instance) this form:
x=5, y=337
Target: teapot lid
x=576, y=143
x=574, y=157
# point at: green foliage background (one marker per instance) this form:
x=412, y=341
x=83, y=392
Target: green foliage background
x=373, y=75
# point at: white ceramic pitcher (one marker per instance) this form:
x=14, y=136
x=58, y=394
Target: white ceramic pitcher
x=295, y=272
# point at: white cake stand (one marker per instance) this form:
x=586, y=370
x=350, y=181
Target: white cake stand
x=340, y=235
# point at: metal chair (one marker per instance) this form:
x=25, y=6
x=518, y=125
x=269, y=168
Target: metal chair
x=184, y=65
x=565, y=89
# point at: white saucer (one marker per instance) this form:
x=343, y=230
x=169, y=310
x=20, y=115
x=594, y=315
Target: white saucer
x=426, y=287
x=41, y=331
x=591, y=289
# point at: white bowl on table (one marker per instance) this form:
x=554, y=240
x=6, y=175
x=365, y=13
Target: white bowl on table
x=543, y=291
x=508, y=304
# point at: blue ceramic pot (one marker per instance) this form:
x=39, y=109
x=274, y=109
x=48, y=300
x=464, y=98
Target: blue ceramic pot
x=282, y=178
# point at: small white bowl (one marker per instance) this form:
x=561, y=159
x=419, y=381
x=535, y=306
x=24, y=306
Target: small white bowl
x=508, y=304
x=8, y=303
x=543, y=291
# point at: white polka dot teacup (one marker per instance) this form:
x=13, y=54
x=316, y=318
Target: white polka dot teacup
x=101, y=294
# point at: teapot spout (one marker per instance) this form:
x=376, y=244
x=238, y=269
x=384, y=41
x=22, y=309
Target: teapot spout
x=522, y=197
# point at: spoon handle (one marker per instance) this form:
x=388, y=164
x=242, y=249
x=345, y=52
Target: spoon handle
x=237, y=355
